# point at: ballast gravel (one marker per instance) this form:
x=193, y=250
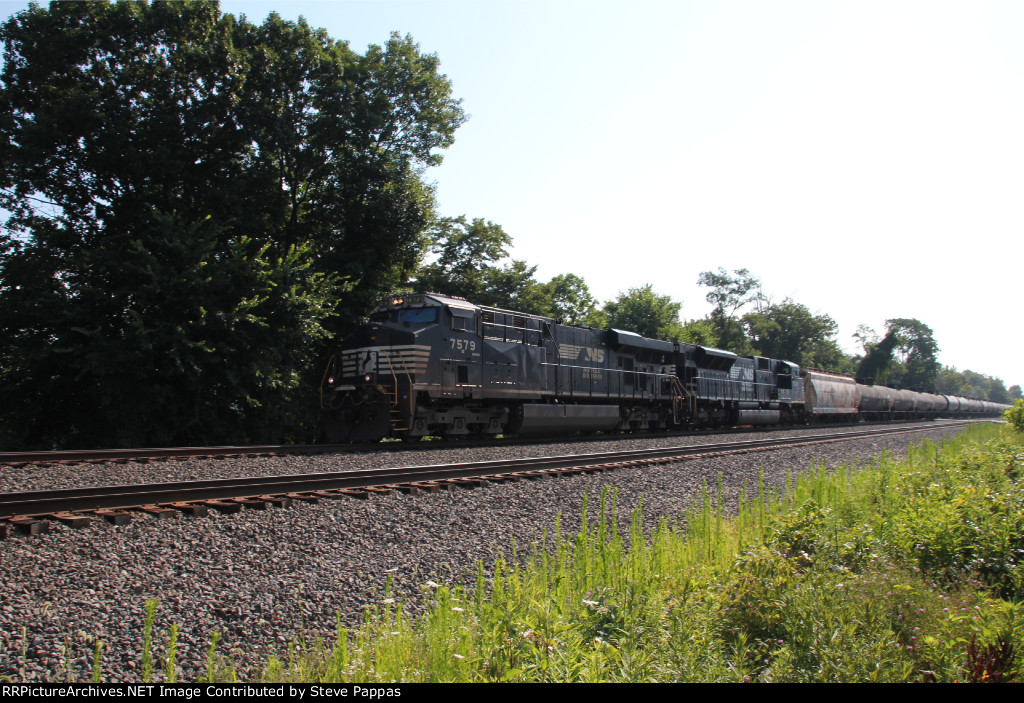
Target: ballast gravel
x=270, y=580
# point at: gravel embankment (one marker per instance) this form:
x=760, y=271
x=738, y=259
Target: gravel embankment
x=32, y=478
x=264, y=579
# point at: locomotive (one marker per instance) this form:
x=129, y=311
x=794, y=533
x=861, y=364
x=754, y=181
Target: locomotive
x=430, y=364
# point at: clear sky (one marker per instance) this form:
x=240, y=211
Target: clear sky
x=863, y=158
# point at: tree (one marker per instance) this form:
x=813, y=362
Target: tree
x=915, y=364
x=464, y=252
x=970, y=384
x=187, y=191
x=877, y=359
x=341, y=142
x=949, y=381
x=917, y=350
x=467, y=265
x=700, y=332
x=730, y=293
x=789, y=331
x=567, y=298
x=513, y=287
x=866, y=336
x=471, y=260
x=643, y=311
x=1015, y=415
x=997, y=392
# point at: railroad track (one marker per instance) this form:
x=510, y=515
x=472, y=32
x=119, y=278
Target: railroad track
x=143, y=455
x=29, y=512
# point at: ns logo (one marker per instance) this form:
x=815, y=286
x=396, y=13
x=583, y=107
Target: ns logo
x=592, y=355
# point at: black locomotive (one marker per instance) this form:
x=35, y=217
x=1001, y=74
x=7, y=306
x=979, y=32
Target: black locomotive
x=428, y=364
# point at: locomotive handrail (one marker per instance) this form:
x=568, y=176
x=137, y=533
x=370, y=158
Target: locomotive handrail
x=677, y=386
x=394, y=376
x=405, y=368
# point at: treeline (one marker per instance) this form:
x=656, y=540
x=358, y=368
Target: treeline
x=198, y=208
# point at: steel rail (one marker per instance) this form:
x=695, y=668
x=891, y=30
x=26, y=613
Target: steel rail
x=71, y=500
x=87, y=455
x=69, y=456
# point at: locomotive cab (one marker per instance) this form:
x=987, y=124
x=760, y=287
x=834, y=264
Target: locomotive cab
x=382, y=366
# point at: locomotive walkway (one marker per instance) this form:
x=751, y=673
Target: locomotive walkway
x=28, y=512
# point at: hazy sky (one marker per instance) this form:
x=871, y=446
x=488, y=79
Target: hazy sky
x=863, y=158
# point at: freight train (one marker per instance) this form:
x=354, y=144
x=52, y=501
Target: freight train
x=429, y=364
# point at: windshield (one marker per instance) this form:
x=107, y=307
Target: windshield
x=410, y=315
x=418, y=315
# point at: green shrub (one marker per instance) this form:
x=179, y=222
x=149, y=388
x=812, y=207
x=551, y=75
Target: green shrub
x=1015, y=415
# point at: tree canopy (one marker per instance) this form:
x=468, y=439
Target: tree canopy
x=905, y=357
x=471, y=260
x=729, y=293
x=970, y=384
x=466, y=264
x=788, y=330
x=569, y=300
x=198, y=205
x=643, y=311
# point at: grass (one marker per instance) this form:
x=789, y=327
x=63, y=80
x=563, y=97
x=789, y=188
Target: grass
x=895, y=571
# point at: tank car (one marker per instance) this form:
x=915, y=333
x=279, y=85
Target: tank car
x=830, y=397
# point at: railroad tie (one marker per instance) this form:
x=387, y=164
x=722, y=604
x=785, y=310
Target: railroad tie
x=28, y=526
x=223, y=506
x=558, y=473
x=156, y=511
x=192, y=509
x=72, y=520
x=250, y=503
x=430, y=486
x=339, y=493
x=406, y=488
x=114, y=517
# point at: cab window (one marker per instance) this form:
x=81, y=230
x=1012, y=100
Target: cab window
x=418, y=315
x=463, y=319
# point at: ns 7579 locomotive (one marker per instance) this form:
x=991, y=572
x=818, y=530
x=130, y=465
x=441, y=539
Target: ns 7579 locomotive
x=429, y=364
